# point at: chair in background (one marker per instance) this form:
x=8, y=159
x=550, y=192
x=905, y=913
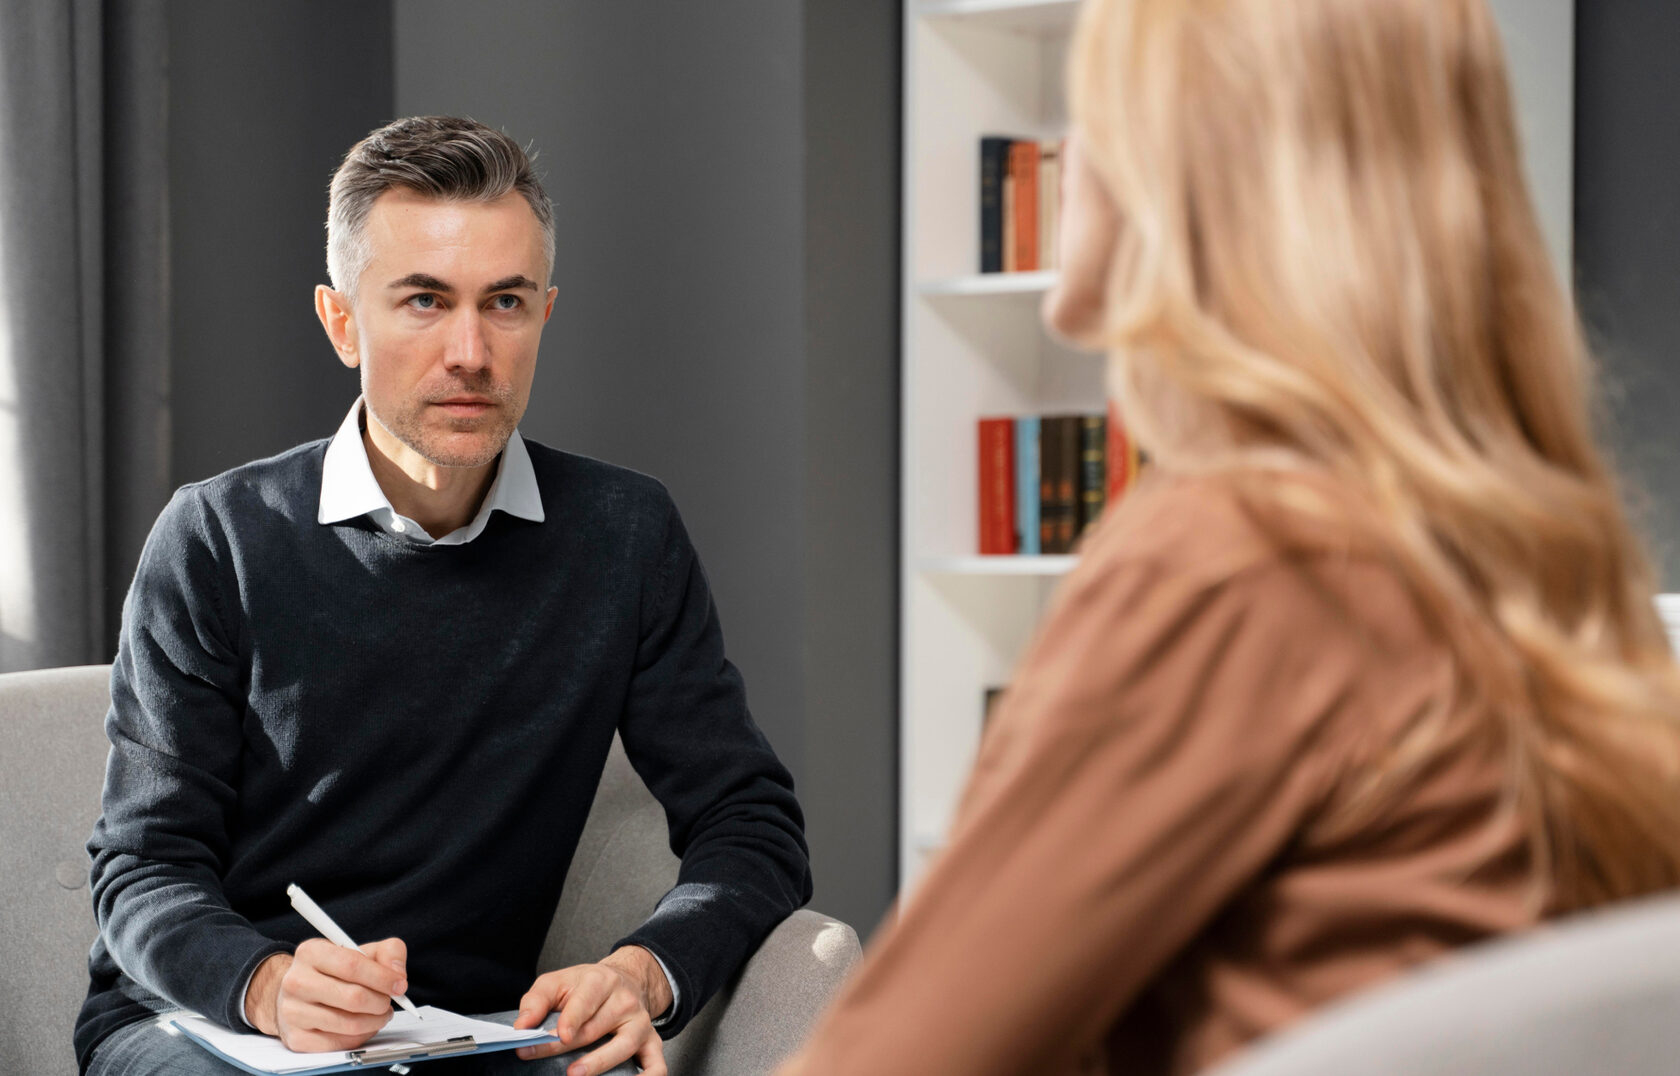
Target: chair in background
x=52, y=766
x=1595, y=993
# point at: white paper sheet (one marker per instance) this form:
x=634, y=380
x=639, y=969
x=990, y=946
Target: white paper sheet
x=405, y=1029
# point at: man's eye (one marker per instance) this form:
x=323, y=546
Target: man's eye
x=423, y=301
x=506, y=302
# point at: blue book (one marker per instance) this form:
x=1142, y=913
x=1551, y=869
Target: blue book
x=1026, y=484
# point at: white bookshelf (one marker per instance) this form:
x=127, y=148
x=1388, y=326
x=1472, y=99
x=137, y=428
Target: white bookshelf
x=1045, y=18
x=972, y=346
x=1030, y=286
x=1038, y=566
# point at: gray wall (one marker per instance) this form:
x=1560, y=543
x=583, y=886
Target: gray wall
x=1627, y=242
x=669, y=140
x=852, y=121
x=725, y=184
x=263, y=103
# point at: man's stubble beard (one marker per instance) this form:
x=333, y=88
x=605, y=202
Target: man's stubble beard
x=407, y=427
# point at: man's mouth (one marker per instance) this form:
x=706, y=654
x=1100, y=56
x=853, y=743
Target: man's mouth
x=465, y=406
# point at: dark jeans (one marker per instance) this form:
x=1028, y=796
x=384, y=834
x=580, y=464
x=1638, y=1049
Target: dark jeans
x=145, y=1049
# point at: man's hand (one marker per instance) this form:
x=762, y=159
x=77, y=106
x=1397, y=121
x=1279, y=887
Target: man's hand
x=327, y=997
x=619, y=997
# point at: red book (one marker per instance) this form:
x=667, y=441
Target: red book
x=997, y=486
x=1122, y=456
x=1023, y=170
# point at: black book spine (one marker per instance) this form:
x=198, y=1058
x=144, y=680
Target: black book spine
x=1067, y=483
x=1093, y=469
x=994, y=162
x=1049, y=466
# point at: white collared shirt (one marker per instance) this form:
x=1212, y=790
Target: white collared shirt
x=349, y=490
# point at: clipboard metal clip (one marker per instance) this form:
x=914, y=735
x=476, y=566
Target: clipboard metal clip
x=464, y=1044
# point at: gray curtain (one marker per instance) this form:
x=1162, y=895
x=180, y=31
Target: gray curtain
x=83, y=318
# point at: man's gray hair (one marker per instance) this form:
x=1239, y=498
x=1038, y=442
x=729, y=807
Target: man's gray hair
x=442, y=157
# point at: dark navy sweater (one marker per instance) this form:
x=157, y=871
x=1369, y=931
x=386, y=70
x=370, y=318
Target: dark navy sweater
x=414, y=735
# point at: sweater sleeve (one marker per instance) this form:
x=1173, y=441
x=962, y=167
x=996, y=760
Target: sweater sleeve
x=161, y=844
x=728, y=800
x=1154, y=753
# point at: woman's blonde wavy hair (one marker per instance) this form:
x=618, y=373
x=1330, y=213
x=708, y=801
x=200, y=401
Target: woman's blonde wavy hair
x=1328, y=258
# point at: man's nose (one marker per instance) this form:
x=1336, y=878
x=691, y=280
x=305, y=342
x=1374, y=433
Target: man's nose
x=468, y=348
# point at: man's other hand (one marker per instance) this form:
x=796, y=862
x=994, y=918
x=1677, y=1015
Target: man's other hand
x=327, y=997
x=615, y=1000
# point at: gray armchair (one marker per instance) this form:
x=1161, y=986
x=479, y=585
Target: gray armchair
x=1597, y=993
x=52, y=764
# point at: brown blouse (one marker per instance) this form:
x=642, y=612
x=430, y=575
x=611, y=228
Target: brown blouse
x=1182, y=830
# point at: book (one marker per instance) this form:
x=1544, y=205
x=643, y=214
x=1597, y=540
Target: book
x=1093, y=469
x=997, y=486
x=1049, y=463
x=1124, y=461
x=1059, y=491
x=1049, y=204
x=1022, y=204
x=1011, y=253
x=1045, y=480
x=993, y=154
x=1067, y=485
x=1026, y=485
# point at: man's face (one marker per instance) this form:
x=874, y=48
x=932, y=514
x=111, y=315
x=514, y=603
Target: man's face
x=447, y=318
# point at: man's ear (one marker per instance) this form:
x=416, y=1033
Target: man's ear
x=548, y=303
x=333, y=308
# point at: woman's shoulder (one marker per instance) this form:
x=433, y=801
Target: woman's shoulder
x=1254, y=611
x=1298, y=543
x=1249, y=614
x=1214, y=522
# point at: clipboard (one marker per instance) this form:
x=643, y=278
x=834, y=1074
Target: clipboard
x=257, y=1053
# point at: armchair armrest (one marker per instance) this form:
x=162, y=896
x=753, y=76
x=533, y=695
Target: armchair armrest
x=763, y=1016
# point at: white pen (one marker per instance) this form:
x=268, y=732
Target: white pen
x=331, y=931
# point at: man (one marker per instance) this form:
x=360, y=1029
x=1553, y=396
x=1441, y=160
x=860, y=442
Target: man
x=388, y=668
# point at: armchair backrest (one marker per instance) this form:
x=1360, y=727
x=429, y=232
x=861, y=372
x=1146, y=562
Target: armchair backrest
x=1597, y=992
x=52, y=766
x=622, y=866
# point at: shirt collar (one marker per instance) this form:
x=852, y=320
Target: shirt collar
x=349, y=490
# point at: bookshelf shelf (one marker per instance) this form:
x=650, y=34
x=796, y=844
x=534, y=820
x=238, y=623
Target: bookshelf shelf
x=1028, y=284
x=972, y=347
x=1036, y=17
x=998, y=565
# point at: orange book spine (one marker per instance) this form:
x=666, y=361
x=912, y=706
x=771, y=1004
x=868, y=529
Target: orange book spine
x=1023, y=169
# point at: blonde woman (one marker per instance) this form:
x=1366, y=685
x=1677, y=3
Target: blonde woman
x=1369, y=668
